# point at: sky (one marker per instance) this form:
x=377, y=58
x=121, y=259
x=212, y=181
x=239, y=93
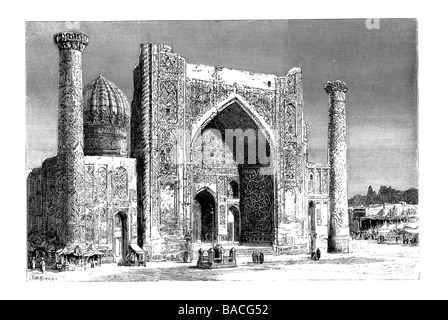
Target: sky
x=378, y=65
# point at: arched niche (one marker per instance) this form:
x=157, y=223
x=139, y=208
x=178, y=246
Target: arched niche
x=206, y=223
x=120, y=235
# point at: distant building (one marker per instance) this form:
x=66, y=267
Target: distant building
x=375, y=216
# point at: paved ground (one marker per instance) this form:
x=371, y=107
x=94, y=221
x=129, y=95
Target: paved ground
x=369, y=260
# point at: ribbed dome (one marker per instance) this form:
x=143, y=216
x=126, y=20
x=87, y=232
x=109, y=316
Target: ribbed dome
x=106, y=118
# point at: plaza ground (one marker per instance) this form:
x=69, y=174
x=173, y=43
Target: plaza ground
x=368, y=261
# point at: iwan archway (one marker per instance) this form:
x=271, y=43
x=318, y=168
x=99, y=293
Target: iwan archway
x=233, y=146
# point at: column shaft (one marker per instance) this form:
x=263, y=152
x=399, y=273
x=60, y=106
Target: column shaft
x=338, y=238
x=70, y=133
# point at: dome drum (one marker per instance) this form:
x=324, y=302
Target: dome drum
x=100, y=140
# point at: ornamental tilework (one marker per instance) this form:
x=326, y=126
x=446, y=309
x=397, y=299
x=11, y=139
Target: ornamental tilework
x=168, y=101
x=168, y=62
x=102, y=183
x=257, y=205
x=89, y=184
x=121, y=183
x=70, y=130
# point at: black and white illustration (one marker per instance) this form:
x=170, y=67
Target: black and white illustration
x=207, y=150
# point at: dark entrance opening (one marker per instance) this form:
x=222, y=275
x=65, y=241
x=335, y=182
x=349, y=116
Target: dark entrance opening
x=312, y=216
x=120, y=235
x=234, y=191
x=234, y=225
x=208, y=224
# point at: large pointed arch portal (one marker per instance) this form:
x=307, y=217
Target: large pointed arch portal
x=236, y=144
x=250, y=111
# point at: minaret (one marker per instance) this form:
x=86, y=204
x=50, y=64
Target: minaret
x=70, y=134
x=339, y=234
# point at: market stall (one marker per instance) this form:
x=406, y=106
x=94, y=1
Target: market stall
x=383, y=233
x=135, y=256
x=70, y=257
x=411, y=233
x=93, y=256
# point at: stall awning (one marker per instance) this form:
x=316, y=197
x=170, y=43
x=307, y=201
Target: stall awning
x=77, y=251
x=401, y=226
x=384, y=227
x=74, y=250
x=62, y=251
x=389, y=218
x=93, y=250
x=136, y=248
x=411, y=227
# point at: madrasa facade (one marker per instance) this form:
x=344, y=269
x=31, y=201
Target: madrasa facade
x=205, y=153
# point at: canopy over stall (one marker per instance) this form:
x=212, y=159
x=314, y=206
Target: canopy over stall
x=80, y=255
x=93, y=252
x=384, y=229
x=136, y=255
x=74, y=250
x=411, y=228
x=93, y=249
x=136, y=249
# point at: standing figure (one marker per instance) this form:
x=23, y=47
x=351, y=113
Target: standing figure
x=317, y=254
x=42, y=265
x=33, y=263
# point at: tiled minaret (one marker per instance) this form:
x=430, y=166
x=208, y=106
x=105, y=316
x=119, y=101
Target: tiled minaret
x=70, y=134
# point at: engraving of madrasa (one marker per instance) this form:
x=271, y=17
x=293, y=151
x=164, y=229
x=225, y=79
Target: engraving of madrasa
x=217, y=154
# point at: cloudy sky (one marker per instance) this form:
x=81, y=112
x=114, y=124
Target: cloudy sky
x=379, y=66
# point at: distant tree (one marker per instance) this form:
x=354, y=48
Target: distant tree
x=384, y=195
x=357, y=200
x=410, y=196
x=398, y=196
x=371, y=196
x=388, y=195
x=393, y=196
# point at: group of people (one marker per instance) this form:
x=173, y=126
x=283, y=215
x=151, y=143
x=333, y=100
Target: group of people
x=41, y=264
x=371, y=234
x=411, y=240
